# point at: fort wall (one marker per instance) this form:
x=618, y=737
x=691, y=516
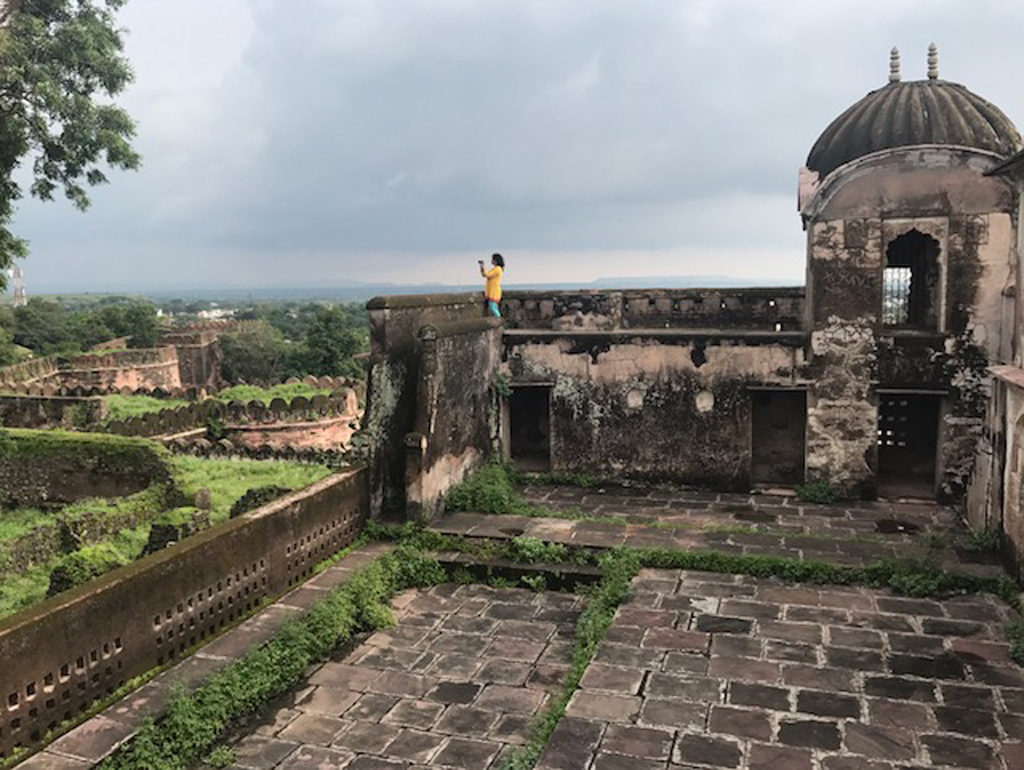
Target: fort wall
x=456, y=410
x=86, y=642
x=395, y=349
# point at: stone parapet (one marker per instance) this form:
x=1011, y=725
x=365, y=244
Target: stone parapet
x=85, y=643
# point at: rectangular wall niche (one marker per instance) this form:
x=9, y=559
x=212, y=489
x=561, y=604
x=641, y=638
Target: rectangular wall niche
x=908, y=434
x=778, y=429
x=529, y=409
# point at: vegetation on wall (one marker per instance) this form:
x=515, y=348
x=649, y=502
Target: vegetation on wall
x=80, y=526
x=285, y=391
x=125, y=407
x=195, y=722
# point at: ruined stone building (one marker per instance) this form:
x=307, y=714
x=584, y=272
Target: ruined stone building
x=877, y=376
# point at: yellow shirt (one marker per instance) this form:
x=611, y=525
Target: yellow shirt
x=493, y=290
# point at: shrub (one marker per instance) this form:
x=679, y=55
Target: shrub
x=84, y=565
x=489, y=490
x=818, y=491
x=256, y=497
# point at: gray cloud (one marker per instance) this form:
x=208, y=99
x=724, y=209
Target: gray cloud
x=317, y=141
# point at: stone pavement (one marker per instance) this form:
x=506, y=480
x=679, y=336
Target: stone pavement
x=850, y=533
x=454, y=684
x=697, y=671
x=704, y=670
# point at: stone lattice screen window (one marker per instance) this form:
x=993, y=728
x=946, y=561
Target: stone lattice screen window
x=910, y=281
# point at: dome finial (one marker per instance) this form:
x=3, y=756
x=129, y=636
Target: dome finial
x=933, y=62
x=894, y=65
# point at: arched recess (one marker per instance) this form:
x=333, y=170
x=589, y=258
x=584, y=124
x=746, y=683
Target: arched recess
x=911, y=281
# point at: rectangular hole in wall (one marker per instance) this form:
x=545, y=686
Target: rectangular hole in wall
x=529, y=408
x=907, y=438
x=778, y=430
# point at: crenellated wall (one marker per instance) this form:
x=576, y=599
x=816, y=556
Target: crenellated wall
x=34, y=370
x=134, y=369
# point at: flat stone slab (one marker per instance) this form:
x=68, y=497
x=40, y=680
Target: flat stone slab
x=704, y=670
x=848, y=533
x=455, y=683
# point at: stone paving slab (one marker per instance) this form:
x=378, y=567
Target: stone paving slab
x=850, y=533
x=456, y=683
x=704, y=670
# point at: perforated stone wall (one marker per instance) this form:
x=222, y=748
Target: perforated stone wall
x=63, y=654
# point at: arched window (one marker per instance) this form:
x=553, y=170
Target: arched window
x=910, y=281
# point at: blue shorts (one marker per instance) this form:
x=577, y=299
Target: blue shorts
x=492, y=308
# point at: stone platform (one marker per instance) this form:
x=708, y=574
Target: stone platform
x=851, y=533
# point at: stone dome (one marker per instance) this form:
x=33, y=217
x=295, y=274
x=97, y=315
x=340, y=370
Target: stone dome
x=917, y=112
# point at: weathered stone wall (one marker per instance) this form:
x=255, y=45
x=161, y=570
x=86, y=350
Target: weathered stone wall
x=455, y=400
x=395, y=323
x=84, y=643
x=996, y=496
x=654, y=405
x=50, y=411
x=766, y=309
x=41, y=467
x=855, y=214
x=31, y=371
x=140, y=368
x=199, y=357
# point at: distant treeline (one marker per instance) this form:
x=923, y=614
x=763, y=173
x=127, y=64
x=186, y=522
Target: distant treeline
x=48, y=327
x=294, y=339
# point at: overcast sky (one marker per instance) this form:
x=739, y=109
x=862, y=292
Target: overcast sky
x=314, y=142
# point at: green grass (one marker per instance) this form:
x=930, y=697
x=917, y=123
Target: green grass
x=18, y=522
x=228, y=480
x=125, y=407
x=286, y=391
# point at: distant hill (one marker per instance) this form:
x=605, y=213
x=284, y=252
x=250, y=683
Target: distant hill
x=354, y=290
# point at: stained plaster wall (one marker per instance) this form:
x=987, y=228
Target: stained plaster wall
x=654, y=405
x=133, y=369
x=391, y=399
x=996, y=496
x=455, y=400
x=765, y=309
x=857, y=211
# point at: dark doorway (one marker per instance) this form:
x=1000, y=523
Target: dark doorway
x=908, y=437
x=779, y=422
x=530, y=427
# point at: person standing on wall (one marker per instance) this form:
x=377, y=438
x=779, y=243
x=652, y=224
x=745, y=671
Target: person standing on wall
x=493, y=288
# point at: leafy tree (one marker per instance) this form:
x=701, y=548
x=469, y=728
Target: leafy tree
x=8, y=354
x=254, y=354
x=57, y=58
x=330, y=344
x=43, y=327
x=141, y=323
